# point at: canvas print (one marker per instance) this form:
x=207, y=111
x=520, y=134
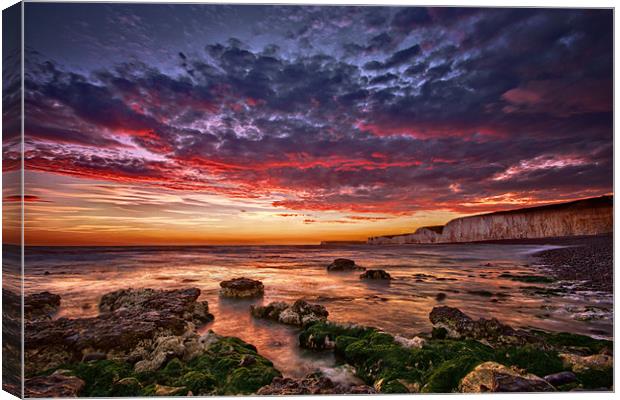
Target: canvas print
x=223, y=199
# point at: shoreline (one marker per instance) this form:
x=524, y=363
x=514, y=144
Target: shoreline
x=587, y=261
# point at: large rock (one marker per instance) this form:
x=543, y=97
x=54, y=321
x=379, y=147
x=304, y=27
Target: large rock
x=494, y=377
x=127, y=328
x=375, y=274
x=300, y=313
x=344, y=264
x=182, y=302
x=581, y=364
x=311, y=384
x=40, y=306
x=561, y=378
x=242, y=288
x=459, y=325
x=55, y=385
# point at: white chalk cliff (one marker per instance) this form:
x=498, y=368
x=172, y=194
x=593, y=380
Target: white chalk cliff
x=582, y=217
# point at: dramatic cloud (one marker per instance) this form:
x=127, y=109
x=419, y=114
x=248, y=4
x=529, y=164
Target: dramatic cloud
x=383, y=111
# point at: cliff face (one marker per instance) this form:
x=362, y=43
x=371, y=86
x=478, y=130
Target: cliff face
x=583, y=217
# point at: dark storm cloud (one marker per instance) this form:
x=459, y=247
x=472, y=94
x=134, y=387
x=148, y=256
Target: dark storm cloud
x=410, y=18
x=401, y=111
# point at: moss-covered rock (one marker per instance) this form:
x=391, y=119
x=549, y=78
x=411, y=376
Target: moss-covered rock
x=383, y=362
x=573, y=342
x=440, y=364
x=227, y=362
x=322, y=336
x=533, y=359
x=229, y=366
x=446, y=377
x=101, y=377
x=596, y=379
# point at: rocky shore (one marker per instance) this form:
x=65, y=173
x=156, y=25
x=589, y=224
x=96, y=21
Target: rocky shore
x=466, y=355
x=586, y=260
x=145, y=342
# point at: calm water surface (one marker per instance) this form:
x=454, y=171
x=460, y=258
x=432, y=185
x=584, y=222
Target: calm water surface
x=82, y=275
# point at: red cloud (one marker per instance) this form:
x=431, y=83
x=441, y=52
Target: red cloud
x=28, y=198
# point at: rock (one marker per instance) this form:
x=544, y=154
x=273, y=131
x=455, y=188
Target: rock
x=413, y=343
x=300, y=313
x=490, y=331
x=184, y=347
x=224, y=366
x=580, y=364
x=375, y=274
x=166, y=348
x=130, y=322
x=311, y=384
x=344, y=264
x=322, y=335
x=561, y=378
x=271, y=311
x=441, y=296
x=53, y=386
x=40, y=306
x=161, y=390
x=182, y=302
x=242, y=288
x=494, y=377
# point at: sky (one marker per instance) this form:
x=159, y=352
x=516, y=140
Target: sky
x=220, y=124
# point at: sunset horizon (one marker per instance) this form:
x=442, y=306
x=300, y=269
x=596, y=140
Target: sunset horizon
x=353, y=232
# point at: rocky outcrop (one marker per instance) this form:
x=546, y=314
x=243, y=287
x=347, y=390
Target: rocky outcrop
x=53, y=386
x=477, y=355
x=143, y=343
x=242, y=288
x=300, y=313
x=130, y=319
x=42, y=305
x=223, y=366
x=459, y=325
x=580, y=364
x=311, y=384
x=494, y=377
x=182, y=302
x=375, y=274
x=582, y=217
x=344, y=264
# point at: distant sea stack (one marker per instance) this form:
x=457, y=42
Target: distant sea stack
x=582, y=217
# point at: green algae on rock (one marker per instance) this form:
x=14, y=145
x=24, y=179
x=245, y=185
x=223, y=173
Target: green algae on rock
x=222, y=369
x=441, y=362
x=527, y=278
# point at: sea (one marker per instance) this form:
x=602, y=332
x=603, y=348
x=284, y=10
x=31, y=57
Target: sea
x=468, y=274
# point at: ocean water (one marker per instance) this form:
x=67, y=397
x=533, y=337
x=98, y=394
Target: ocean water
x=81, y=275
